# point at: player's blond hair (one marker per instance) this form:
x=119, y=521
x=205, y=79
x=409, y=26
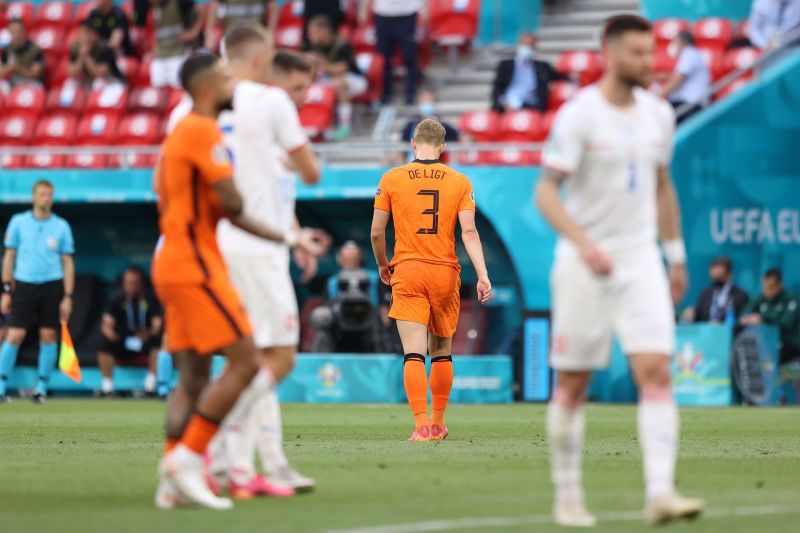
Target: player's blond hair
x=238, y=40
x=429, y=131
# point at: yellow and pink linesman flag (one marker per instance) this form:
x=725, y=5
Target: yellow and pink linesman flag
x=67, y=358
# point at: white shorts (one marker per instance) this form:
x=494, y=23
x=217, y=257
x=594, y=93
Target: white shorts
x=356, y=84
x=634, y=303
x=166, y=71
x=266, y=288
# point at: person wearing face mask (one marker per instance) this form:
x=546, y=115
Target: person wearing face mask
x=523, y=82
x=690, y=81
x=426, y=107
x=722, y=296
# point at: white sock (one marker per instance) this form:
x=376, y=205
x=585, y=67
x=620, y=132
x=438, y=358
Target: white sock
x=107, y=385
x=658, y=437
x=150, y=382
x=239, y=434
x=345, y=114
x=266, y=419
x=565, y=430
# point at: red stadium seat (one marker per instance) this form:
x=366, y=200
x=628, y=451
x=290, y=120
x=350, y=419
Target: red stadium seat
x=175, y=97
x=25, y=100
x=140, y=129
x=57, y=76
x=713, y=58
x=290, y=37
x=133, y=160
x=96, y=129
x=69, y=99
x=476, y=158
x=664, y=63
x=44, y=160
x=560, y=92
x=514, y=157
x=520, y=126
x=351, y=12
x=733, y=87
x=454, y=22
x=364, y=39
x=142, y=39
x=110, y=101
x=371, y=65
x=291, y=14
x=129, y=66
x=86, y=160
x=54, y=15
x=143, y=78
x=740, y=58
x=58, y=130
x=16, y=130
x=20, y=10
x=316, y=115
x=9, y=162
x=52, y=41
x=586, y=66
x=481, y=125
x=713, y=32
x=665, y=30
x=150, y=99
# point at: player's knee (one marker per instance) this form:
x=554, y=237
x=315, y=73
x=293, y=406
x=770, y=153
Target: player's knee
x=47, y=336
x=569, y=396
x=193, y=384
x=15, y=336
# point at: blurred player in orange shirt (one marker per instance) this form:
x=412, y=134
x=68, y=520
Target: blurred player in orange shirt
x=425, y=198
x=203, y=312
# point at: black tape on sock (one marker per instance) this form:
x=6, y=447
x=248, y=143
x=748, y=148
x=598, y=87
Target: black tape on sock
x=442, y=359
x=414, y=357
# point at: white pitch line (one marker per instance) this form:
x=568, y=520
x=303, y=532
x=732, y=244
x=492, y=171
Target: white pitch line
x=512, y=521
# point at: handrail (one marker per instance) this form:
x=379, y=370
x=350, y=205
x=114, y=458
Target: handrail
x=791, y=39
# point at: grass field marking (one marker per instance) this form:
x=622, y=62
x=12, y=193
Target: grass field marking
x=512, y=521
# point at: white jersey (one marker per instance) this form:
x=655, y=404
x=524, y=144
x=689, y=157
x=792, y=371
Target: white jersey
x=263, y=126
x=611, y=156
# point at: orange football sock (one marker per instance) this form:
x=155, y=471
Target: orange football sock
x=169, y=445
x=441, y=384
x=416, y=383
x=199, y=432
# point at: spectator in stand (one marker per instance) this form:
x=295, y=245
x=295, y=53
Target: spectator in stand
x=690, y=81
x=722, y=297
x=336, y=64
x=771, y=21
x=332, y=8
x=132, y=328
x=524, y=82
x=778, y=307
x=426, y=107
x=21, y=61
x=233, y=12
x=111, y=23
x=92, y=63
x=396, y=27
x=179, y=25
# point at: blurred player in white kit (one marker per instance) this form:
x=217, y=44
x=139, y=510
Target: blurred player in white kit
x=610, y=148
x=266, y=140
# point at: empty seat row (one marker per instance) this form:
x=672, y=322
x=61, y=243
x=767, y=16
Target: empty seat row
x=92, y=129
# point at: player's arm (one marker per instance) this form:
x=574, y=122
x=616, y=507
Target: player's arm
x=273, y=11
x=377, y=234
x=549, y=202
x=68, y=264
x=669, y=232
x=209, y=32
x=108, y=327
x=472, y=243
x=306, y=164
x=9, y=256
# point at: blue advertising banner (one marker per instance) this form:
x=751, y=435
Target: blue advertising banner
x=535, y=367
x=701, y=366
x=756, y=365
x=482, y=379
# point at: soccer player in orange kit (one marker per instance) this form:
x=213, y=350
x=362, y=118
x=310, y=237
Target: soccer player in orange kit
x=203, y=312
x=424, y=199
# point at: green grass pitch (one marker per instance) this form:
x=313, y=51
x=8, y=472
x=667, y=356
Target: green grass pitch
x=89, y=466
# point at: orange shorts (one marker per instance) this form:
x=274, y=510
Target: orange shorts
x=427, y=293
x=203, y=318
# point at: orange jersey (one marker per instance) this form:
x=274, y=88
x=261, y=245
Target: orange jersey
x=193, y=158
x=424, y=198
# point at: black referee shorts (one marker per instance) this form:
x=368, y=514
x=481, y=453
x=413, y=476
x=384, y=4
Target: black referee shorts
x=36, y=303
